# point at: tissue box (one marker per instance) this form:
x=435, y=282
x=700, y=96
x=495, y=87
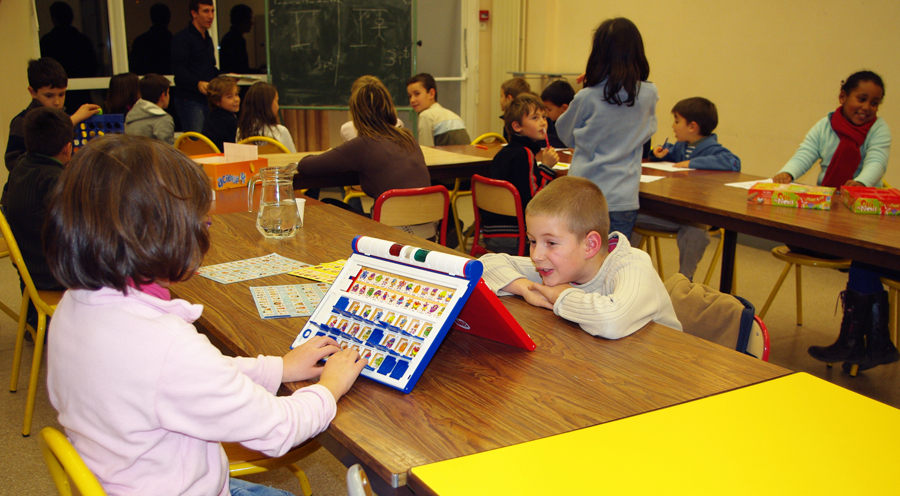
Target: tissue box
x=864, y=200
x=792, y=195
x=227, y=175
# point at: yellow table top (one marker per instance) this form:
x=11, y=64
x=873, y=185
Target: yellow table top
x=433, y=157
x=793, y=435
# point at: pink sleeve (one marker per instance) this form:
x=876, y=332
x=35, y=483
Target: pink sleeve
x=203, y=394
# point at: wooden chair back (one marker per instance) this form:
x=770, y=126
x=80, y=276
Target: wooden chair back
x=407, y=207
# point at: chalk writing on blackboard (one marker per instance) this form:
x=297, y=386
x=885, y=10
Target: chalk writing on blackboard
x=317, y=48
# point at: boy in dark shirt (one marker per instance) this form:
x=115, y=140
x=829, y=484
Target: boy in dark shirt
x=516, y=163
x=220, y=125
x=556, y=96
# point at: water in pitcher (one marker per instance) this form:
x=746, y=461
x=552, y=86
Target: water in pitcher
x=278, y=219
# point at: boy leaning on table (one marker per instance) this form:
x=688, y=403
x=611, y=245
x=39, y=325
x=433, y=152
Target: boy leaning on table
x=597, y=281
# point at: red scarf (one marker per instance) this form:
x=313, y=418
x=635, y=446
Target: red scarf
x=846, y=158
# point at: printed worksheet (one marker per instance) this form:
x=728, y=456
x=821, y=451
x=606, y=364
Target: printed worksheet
x=326, y=272
x=250, y=268
x=296, y=300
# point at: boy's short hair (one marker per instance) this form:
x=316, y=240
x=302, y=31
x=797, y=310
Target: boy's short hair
x=520, y=108
x=515, y=87
x=194, y=5
x=427, y=82
x=47, y=131
x=127, y=207
x=217, y=88
x=46, y=71
x=558, y=93
x=239, y=13
x=699, y=110
x=160, y=15
x=153, y=87
x=575, y=201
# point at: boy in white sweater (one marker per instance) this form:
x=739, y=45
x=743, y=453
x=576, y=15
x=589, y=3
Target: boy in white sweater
x=576, y=270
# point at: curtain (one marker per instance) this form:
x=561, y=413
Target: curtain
x=308, y=128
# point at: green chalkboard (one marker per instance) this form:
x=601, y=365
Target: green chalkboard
x=317, y=48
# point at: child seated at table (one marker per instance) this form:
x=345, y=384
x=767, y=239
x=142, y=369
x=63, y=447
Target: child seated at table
x=437, y=125
x=584, y=275
x=144, y=397
x=696, y=147
x=260, y=116
x=509, y=90
x=556, y=96
x=221, y=125
x=516, y=163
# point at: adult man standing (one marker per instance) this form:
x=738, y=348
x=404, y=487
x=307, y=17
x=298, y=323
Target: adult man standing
x=194, y=65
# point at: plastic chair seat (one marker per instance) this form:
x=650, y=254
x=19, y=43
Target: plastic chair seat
x=191, y=143
x=798, y=260
x=243, y=461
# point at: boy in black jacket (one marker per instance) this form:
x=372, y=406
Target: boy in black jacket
x=527, y=128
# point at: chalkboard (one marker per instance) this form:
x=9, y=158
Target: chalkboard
x=317, y=48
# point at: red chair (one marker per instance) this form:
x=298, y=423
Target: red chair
x=498, y=197
x=410, y=207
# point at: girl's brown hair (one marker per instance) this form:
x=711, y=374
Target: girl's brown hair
x=256, y=110
x=373, y=113
x=124, y=91
x=217, y=88
x=127, y=208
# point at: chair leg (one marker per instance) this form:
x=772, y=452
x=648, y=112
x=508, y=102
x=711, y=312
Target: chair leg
x=894, y=314
x=799, y=296
x=458, y=224
x=20, y=343
x=35, y=371
x=659, y=264
x=301, y=477
x=716, y=256
x=784, y=273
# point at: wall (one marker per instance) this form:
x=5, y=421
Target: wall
x=772, y=68
x=19, y=45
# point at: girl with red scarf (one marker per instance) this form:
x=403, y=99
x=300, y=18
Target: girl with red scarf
x=853, y=144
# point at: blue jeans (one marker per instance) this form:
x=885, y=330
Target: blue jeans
x=192, y=114
x=240, y=487
x=623, y=222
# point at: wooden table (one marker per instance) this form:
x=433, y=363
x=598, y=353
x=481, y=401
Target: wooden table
x=774, y=437
x=476, y=394
x=444, y=163
x=703, y=197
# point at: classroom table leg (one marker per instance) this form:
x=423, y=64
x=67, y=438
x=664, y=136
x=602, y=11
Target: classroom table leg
x=728, y=255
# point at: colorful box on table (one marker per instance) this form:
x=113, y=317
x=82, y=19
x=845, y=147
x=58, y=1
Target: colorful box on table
x=865, y=200
x=792, y=195
x=227, y=175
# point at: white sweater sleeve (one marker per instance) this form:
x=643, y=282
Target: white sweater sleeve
x=501, y=269
x=633, y=302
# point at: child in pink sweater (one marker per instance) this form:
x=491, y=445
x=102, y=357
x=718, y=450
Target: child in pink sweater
x=145, y=398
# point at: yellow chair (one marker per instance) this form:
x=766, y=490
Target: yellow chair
x=650, y=243
x=66, y=466
x=243, y=461
x=191, y=143
x=45, y=302
x=269, y=145
x=4, y=253
x=648, y=235
x=894, y=298
x=797, y=260
x=413, y=206
x=455, y=193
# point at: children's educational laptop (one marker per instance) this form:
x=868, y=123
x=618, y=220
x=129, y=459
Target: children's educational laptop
x=395, y=304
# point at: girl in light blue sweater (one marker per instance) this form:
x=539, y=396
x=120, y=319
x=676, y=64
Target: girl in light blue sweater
x=609, y=121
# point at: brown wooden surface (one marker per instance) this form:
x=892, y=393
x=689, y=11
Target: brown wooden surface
x=703, y=197
x=476, y=394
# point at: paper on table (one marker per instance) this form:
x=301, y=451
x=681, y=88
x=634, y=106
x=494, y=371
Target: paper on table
x=240, y=153
x=650, y=179
x=664, y=166
x=747, y=184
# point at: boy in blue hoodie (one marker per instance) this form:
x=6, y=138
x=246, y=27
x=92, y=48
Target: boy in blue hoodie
x=696, y=147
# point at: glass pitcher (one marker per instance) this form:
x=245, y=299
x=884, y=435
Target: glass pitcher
x=278, y=214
